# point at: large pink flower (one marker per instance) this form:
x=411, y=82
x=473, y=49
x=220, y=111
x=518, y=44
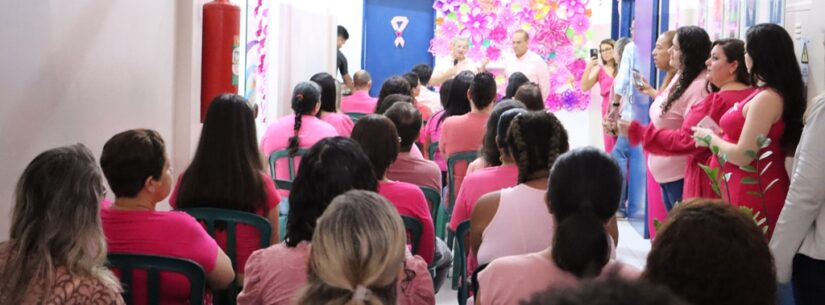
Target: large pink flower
x=447, y=6
x=580, y=23
x=572, y=8
x=476, y=24
x=493, y=53
x=449, y=29
x=498, y=34
x=440, y=46
x=475, y=53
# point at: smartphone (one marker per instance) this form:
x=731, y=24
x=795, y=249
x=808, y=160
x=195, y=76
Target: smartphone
x=637, y=78
x=594, y=53
x=709, y=123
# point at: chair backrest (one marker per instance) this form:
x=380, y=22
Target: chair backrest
x=432, y=149
x=467, y=156
x=414, y=230
x=230, y=218
x=356, y=115
x=153, y=264
x=436, y=210
x=460, y=262
x=293, y=168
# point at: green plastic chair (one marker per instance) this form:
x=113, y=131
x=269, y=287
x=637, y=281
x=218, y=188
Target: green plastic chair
x=154, y=264
x=415, y=229
x=293, y=168
x=231, y=218
x=432, y=149
x=467, y=156
x=356, y=115
x=436, y=212
x=460, y=262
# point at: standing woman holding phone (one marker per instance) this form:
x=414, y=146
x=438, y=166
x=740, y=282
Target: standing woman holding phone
x=603, y=73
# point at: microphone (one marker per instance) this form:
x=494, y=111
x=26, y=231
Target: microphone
x=455, y=62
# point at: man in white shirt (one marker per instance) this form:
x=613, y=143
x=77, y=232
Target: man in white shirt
x=528, y=62
x=449, y=66
x=429, y=98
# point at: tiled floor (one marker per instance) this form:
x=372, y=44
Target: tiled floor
x=632, y=250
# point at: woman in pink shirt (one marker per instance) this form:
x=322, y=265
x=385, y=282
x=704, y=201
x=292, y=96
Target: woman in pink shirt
x=275, y=275
x=137, y=169
x=490, y=155
x=330, y=101
x=456, y=103
x=56, y=249
x=301, y=130
x=227, y=172
x=515, y=220
x=603, y=74
x=583, y=195
x=375, y=272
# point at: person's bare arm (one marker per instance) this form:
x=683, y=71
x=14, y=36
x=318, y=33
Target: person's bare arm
x=348, y=81
x=222, y=275
x=483, y=213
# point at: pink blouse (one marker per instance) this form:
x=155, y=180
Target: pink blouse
x=410, y=201
x=462, y=133
x=278, y=133
x=342, y=122
x=433, y=132
x=522, y=224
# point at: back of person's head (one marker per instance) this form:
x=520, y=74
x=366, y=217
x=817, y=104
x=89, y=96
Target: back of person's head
x=424, y=73
x=328, y=95
x=55, y=223
x=357, y=252
x=619, y=48
x=610, y=291
x=457, y=101
x=411, y=78
x=583, y=193
x=444, y=92
x=734, y=51
x=331, y=167
x=379, y=140
x=393, y=85
x=382, y=106
x=362, y=79
x=483, y=90
x=773, y=61
x=305, y=99
x=535, y=140
x=709, y=252
x=343, y=33
x=489, y=149
x=513, y=83
x=503, y=127
x=407, y=121
x=530, y=95
x=694, y=44
x=132, y=157
x=226, y=169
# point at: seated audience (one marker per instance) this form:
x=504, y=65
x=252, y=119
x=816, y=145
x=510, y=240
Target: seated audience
x=456, y=103
x=415, y=88
x=137, y=168
x=611, y=291
x=392, y=99
x=360, y=100
x=227, y=172
x=513, y=83
x=583, y=195
x=393, y=85
x=427, y=97
x=515, y=220
x=465, y=132
x=374, y=272
x=709, y=252
x=56, y=249
x=330, y=98
x=530, y=95
x=489, y=154
x=408, y=167
x=301, y=130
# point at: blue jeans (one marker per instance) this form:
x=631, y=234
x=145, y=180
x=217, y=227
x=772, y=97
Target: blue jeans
x=632, y=164
x=672, y=193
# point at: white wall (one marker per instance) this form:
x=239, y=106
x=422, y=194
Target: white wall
x=350, y=14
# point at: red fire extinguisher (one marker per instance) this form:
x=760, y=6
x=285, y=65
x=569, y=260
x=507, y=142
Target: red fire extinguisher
x=220, y=64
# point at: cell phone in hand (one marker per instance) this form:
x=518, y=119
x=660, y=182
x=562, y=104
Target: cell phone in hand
x=709, y=123
x=637, y=78
x=594, y=53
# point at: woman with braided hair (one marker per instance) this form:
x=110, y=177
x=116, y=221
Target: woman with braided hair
x=515, y=220
x=301, y=130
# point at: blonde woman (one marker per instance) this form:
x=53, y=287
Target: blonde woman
x=56, y=250
x=353, y=261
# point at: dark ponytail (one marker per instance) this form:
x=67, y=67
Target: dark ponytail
x=304, y=98
x=535, y=139
x=583, y=192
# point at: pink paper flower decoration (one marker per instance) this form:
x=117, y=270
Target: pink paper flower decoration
x=440, y=46
x=447, y=6
x=577, y=68
x=475, y=53
x=493, y=53
x=498, y=34
x=449, y=29
x=476, y=24
x=580, y=23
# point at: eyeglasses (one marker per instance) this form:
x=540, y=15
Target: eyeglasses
x=605, y=50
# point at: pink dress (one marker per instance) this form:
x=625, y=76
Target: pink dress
x=358, y=102
x=410, y=201
x=173, y=234
x=342, y=122
x=276, y=275
x=605, y=87
x=247, y=237
x=433, y=132
x=522, y=224
x=278, y=133
x=462, y=133
x=732, y=123
x=513, y=279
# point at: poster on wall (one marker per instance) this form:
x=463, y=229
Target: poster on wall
x=777, y=11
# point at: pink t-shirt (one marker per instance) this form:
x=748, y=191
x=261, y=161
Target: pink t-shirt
x=513, y=279
x=247, y=237
x=276, y=275
x=477, y=184
x=671, y=168
x=433, y=132
x=358, y=102
x=522, y=224
x=173, y=234
x=410, y=201
x=278, y=133
x=462, y=133
x=342, y=122
x=534, y=67
x=413, y=168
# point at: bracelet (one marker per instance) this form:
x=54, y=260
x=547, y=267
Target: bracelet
x=616, y=104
